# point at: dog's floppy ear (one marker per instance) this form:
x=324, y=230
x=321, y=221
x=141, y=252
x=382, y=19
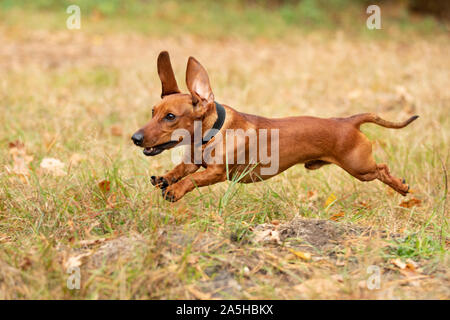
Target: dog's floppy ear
x=165, y=72
x=197, y=82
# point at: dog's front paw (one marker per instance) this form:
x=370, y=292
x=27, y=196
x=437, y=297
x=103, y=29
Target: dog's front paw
x=405, y=188
x=159, y=182
x=172, y=193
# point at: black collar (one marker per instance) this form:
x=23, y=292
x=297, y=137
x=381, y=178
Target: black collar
x=221, y=114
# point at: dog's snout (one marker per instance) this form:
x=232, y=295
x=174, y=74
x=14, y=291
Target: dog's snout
x=138, y=138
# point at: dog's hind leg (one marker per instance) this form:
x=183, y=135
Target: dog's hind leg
x=395, y=183
x=381, y=172
x=360, y=163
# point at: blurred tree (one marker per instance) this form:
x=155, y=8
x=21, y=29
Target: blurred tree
x=439, y=8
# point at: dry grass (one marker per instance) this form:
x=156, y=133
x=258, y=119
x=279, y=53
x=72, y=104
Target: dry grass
x=78, y=97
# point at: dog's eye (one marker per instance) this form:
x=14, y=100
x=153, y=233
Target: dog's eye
x=170, y=117
x=153, y=112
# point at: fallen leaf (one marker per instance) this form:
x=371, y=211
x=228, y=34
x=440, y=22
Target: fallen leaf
x=53, y=166
x=275, y=222
x=104, y=186
x=332, y=198
x=398, y=263
x=408, y=272
x=411, y=264
x=411, y=203
x=300, y=254
x=410, y=268
x=16, y=144
x=337, y=216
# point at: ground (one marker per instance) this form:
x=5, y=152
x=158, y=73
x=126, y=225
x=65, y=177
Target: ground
x=76, y=97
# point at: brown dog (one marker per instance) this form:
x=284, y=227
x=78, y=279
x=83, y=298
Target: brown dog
x=309, y=140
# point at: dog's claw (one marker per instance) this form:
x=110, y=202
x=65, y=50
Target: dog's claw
x=167, y=195
x=159, y=182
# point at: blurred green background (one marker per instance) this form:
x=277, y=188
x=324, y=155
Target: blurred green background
x=221, y=18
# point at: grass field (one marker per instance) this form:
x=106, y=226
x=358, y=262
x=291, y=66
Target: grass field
x=77, y=96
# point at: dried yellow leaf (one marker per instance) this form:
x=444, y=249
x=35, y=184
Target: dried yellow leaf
x=302, y=255
x=332, y=198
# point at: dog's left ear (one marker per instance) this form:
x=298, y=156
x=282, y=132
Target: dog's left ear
x=197, y=81
x=165, y=72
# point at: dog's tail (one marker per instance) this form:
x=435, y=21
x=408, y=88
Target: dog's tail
x=359, y=119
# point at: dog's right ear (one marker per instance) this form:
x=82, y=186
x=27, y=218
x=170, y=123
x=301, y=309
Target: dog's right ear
x=165, y=72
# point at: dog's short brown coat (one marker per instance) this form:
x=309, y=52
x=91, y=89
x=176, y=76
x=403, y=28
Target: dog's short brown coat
x=309, y=140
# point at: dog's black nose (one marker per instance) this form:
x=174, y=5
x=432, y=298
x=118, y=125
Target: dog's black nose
x=138, y=138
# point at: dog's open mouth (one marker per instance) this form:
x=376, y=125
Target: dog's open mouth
x=155, y=150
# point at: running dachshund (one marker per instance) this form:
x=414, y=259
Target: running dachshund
x=309, y=140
